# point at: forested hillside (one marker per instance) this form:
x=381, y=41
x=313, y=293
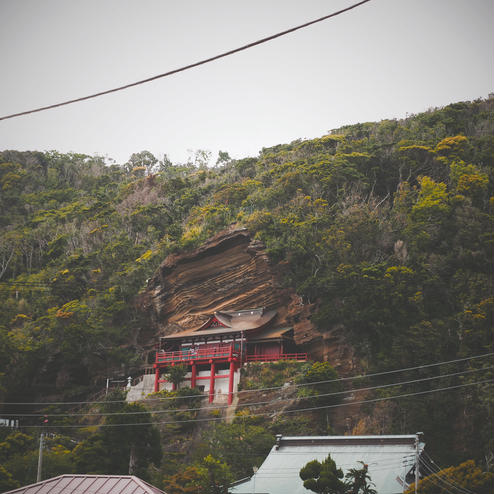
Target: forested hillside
x=386, y=227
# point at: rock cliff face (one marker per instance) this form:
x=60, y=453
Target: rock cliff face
x=231, y=271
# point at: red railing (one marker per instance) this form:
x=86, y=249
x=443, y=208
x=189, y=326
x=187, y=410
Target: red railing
x=281, y=356
x=221, y=352
x=217, y=352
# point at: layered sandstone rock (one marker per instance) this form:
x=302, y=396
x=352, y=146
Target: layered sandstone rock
x=231, y=271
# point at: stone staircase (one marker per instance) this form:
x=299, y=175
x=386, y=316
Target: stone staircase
x=139, y=390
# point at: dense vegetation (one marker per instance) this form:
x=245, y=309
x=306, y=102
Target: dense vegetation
x=386, y=227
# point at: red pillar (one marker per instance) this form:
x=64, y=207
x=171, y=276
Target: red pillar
x=174, y=386
x=211, y=384
x=156, y=379
x=193, y=376
x=230, y=382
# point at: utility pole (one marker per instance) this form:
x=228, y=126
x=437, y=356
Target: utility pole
x=132, y=460
x=40, y=454
x=40, y=457
x=417, y=456
x=404, y=483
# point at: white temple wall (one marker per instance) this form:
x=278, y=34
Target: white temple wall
x=220, y=385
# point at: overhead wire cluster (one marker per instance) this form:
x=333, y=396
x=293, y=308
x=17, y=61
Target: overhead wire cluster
x=253, y=405
x=438, y=479
x=335, y=284
x=256, y=390
x=258, y=403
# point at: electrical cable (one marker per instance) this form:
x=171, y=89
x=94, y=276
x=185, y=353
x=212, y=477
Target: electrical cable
x=365, y=376
x=283, y=412
x=432, y=463
x=444, y=480
x=46, y=284
x=342, y=379
x=442, y=486
x=54, y=284
x=187, y=67
x=246, y=405
x=430, y=466
x=380, y=464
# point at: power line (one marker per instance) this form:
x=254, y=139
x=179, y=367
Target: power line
x=435, y=469
x=341, y=283
x=282, y=412
x=100, y=286
x=443, y=486
x=342, y=379
x=53, y=284
x=246, y=405
x=190, y=66
x=381, y=464
x=432, y=463
x=336, y=283
x=291, y=471
x=376, y=374
x=443, y=480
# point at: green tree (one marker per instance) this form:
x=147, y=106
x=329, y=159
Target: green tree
x=91, y=455
x=7, y=482
x=325, y=379
x=215, y=476
x=187, y=481
x=142, y=163
x=134, y=447
x=323, y=477
x=466, y=477
x=19, y=457
x=241, y=444
x=176, y=374
x=358, y=481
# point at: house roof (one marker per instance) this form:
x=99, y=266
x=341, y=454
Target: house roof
x=389, y=459
x=229, y=322
x=89, y=484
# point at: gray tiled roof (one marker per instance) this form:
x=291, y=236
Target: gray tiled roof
x=389, y=459
x=89, y=484
x=232, y=322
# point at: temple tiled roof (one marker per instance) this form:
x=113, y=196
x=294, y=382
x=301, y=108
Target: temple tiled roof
x=245, y=319
x=230, y=322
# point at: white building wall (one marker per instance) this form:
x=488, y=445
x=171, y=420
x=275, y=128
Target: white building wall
x=220, y=385
x=146, y=385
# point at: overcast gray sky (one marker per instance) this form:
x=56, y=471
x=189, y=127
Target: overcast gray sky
x=382, y=60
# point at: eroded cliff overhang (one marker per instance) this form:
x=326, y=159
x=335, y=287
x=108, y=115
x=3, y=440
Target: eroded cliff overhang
x=229, y=272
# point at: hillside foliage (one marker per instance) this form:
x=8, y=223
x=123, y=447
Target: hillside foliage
x=386, y=227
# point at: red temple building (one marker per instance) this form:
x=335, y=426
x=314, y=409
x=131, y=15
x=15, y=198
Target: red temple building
x=215, y=351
